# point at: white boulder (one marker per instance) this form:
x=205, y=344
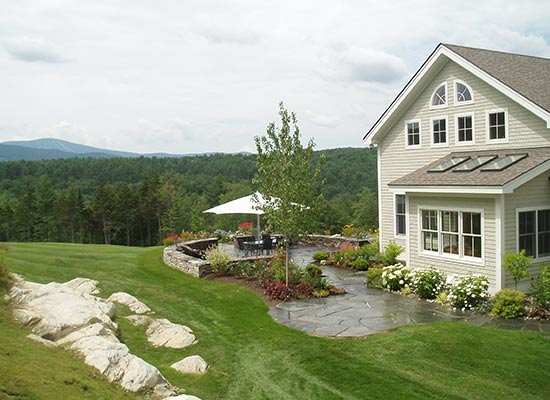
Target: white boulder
x=55, y=310
x=162, y=332
x=87, y=331
x=139, y=320
x=117, y=364
x=83, y=285
x=127, y=299
x=191, y=365
x=182, y=397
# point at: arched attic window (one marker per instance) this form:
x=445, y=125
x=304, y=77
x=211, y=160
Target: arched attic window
x=464, y=94
x=439, y=98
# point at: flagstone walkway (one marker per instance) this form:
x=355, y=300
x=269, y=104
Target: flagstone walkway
x=364, y=311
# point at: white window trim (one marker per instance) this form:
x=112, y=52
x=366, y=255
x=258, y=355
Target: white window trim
x=432, y=107
x=506, y=125
x=414, y=146
x=395, y=234
x=462, y=103
x=446, y=143
x=527, y=209
x=478, y=261
x=470, y=142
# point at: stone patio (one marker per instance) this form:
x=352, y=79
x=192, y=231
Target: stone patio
x=364, y=311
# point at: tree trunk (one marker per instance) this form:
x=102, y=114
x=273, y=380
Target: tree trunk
x=287, y=256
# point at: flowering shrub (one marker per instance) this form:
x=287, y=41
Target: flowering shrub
x=427, y=284
x=187, y=236
x=396, y=277
x=245, y=227
x=540, y=290
x=351, y=230
x=218, y=260
x=508, y=304
x=170, y=239
x=470, y=292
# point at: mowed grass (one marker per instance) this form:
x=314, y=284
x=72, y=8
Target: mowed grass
x=253, y=357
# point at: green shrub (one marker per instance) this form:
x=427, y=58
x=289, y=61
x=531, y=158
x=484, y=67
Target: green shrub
x=470, y=292
x=540, y=290
x=509, y=304
x=518, y=265
x=218, y=260
x=242, y=269
x=427, y=284
x=391, y=252
x=320, y=255
x=360, y=264
x=313, y=270
x=396, y=277
x=374, y=277
x=370, y=252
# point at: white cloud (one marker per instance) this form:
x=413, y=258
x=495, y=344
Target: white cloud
x=207, y=75
x=33, y=50
x=327, y=121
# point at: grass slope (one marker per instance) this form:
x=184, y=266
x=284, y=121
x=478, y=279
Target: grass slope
x=252, y=357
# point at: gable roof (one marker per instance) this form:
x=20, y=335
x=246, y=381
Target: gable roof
x=506, y=180
x=525, y=79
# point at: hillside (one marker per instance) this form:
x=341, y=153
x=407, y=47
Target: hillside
x=252, y=356
x=50, y=148
x=136, y=201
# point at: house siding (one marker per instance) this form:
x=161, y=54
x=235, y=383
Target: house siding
x=533, y=194
x=486, y=205
x=524, y=129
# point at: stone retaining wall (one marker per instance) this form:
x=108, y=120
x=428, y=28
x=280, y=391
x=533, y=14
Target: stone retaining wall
x=335, y=241
x=185, y=263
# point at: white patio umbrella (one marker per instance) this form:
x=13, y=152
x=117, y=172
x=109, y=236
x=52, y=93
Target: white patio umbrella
x=243, y=205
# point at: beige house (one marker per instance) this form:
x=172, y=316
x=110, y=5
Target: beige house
x=464, y=163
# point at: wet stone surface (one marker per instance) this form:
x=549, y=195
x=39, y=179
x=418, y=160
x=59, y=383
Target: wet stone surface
x=364, y=311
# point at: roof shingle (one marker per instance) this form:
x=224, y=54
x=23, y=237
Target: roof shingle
x=527, y=75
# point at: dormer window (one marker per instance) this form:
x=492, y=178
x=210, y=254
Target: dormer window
x=463, y=93
x=439, y=98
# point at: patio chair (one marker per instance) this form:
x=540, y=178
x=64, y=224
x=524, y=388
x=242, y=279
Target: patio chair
x=267, y=244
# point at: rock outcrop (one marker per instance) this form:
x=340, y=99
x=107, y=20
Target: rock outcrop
x=127, y=299
x=162, y=332
x=68, y=314
x=55, y=310
x=191, y=365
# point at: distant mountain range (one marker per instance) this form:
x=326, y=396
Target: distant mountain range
x=50, y=148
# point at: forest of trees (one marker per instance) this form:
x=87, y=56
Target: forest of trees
x=136, y=201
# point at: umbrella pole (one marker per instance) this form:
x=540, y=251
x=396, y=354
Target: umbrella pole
x=258, y=223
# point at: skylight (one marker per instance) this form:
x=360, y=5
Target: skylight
x=503, y=163
x=474, y=163
x=453, y=162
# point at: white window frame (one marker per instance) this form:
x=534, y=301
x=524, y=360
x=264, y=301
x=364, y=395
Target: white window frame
x=536, y=209
x=446, y=143
x=432, y=107
x=395, y=233
x=506, y=126
x=460, y=257
x=413, y=146
x=462, y=103
x=466, y=142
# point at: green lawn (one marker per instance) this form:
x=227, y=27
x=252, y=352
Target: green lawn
x=253, y=357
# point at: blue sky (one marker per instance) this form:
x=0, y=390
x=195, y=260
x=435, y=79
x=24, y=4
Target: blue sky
x=197, y=76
